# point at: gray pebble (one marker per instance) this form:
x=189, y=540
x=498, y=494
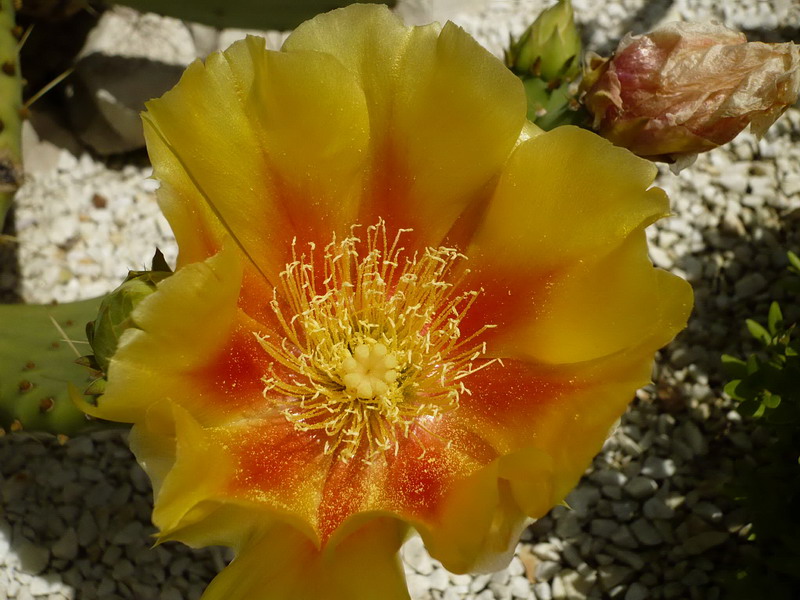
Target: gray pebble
x=451, y=594
x=545, y=551
x=623, y=537
x=39, y=586
x=612, y=491
x=608, y=477
x=632, y=559
x=613, y=575
x=637, y=591
x=641, y=487
x=66, y=546
x=546, y=570
x=5, y=540
x=656, y=508
x=701, y=542
x=658, y=468
x=625, y=510
x=33, y=558
x=568, y=526
x=582, y=499
x=646, y=533
x=749, y=285
x=479, y=582
x=603, y=527
x=418, y=585
x=123, y=570
x=542, y=591
x=170, y=593
x=130, y=533
x=708, y=511
x=558, y=589
x=416, y=556
x=520, y=587
x=501, y=591
x=572, y=556
x=87, y=529
x=439, y=579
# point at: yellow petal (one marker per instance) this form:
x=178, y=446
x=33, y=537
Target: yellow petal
x=201, y=471
x=565, y=196
x=495, y=523
x=562, y=258
x=281, y=564
x=444, y=113
x=288, y=134
x=178, y=327
x=546, y=423
x=605, y=306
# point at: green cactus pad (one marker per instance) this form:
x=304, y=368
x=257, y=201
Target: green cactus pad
x=37, y=365
x=10, y=109
x=249, y=14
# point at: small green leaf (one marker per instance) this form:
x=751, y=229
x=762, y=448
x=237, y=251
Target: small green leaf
x=731, y=387
x=753, y=364
x=775, y=318
x=771, y=400
x=794, y=260
x=757, y=331
x=734, y=367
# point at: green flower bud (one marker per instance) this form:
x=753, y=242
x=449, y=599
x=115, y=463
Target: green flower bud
x=550, y=48
x=114, y=314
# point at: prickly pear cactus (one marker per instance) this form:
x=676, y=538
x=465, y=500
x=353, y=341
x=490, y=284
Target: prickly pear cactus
x=10, y=109
x=39, y=345
x=250, y=14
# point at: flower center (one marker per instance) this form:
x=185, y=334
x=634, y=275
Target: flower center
x=370, y=345
x=369, y=370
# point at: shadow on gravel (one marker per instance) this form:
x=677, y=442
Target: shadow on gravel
x=74, y=517
x=642, y=21
x=773, y=36
x=740, y=270
x=9, y=262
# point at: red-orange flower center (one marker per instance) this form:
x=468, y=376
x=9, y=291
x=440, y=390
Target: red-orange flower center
x=370, y=341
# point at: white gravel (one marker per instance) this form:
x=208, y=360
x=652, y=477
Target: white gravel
x=649, y=519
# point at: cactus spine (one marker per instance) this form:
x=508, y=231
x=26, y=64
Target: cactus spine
x=10, y=109
x=38, y=349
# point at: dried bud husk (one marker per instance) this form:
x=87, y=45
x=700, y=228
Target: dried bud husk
x=686, y=88
x=114, y=314
x=550, y=47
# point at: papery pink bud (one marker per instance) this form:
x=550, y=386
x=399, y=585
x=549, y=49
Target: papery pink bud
x=686, y=88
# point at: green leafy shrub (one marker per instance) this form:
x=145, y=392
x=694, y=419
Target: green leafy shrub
x=767, y=386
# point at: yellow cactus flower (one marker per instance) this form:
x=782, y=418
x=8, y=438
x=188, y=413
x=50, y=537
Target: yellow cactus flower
x=397, y=305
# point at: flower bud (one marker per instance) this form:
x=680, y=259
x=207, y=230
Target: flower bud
x=114, y=314
x=686, y=88
x=550, y=47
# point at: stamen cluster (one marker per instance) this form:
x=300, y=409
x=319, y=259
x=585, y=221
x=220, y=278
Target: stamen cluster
x=370, y=346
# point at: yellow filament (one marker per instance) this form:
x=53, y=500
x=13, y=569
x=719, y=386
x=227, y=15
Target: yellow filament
x=371, y=345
